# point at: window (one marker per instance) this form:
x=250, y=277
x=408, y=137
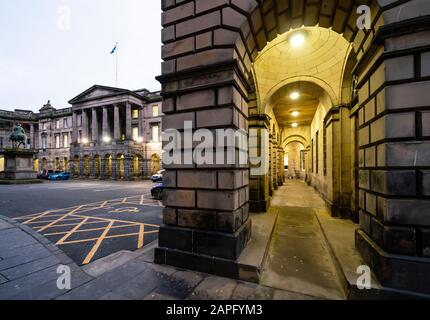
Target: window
x=65, y=123
x=45, y=126
x=156, y=133
x=44, y=142
x=155, y=111
x=57, y=142
x=58, y=124
x=79, y=119
x=65, y=141
x=135, y=133
x=80, y=136
x=312, y=152
x=317, y=152
x=135, y=114
x=325, y=150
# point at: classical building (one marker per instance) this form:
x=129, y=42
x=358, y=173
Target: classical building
x=116, y=133
x=348, y=102
x=48, y=132
x=108, y=133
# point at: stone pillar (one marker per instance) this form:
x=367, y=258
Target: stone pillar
x=259, y=198
x=95, y=127
x=394, y=155
x=106, y=129
x=85, y=133
x=116, y=123
x=32, y=140
x=128, y=117
x=141, y=133
x=81, y=168
x=74, y=128
x=206, y=218
x=103, y=166
x=128, y=167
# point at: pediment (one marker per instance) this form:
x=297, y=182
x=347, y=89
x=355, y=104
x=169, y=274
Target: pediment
x=97, y=92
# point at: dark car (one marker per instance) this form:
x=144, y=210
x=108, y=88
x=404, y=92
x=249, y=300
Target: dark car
x=45, y=174
x=59, y=176
x=157, y=191
x=158, y=177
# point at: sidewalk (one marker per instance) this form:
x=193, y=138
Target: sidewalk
x=29, y=262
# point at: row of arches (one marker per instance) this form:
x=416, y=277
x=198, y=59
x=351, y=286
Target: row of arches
x=119, y=166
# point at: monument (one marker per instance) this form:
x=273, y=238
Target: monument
x=18, y=161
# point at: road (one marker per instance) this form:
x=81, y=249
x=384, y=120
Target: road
x=87, y=220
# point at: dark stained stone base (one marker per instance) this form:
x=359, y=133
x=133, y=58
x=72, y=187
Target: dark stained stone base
x=394, y=271
x=259, y=205
x=205, y=251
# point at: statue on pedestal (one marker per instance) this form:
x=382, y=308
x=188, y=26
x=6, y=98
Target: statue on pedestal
x=18, y=137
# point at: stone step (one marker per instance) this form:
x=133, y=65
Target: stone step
x=251, y=261
x=340, y=237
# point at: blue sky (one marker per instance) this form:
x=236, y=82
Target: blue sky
x=51, y=49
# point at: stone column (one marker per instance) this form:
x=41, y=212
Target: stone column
x=259, y=182
x=85, y=133
x=32, y=140
x=116, y=123
x=95, y=126
x=106, y=129
x=141, y=133
x=128, y=117
x=74, y=128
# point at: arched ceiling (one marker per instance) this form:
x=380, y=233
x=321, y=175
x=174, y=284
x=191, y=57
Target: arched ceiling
x=322, y=58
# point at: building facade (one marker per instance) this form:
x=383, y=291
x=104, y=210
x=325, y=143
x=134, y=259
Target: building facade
x=116, y=133
x=348, y=102
x=108, y=133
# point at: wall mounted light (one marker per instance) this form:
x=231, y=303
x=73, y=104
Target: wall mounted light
x=85, y=141
x=107, y=139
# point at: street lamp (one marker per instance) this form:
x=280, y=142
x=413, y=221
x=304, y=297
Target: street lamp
x=107, y=139
x=85, y=141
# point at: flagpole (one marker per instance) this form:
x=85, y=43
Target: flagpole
x=116, y=72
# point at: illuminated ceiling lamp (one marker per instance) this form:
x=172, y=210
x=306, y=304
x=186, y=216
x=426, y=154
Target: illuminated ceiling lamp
x=294, y=95
x=295, y=114
x=295, y=125
x=297, y=39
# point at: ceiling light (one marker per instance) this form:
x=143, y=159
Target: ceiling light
x=295, y=113
x=295, y=125
x=297, y=40
x=294, y=95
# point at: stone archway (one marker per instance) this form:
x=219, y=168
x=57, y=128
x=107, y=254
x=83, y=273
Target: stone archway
x=208, y=79
x=97, y=166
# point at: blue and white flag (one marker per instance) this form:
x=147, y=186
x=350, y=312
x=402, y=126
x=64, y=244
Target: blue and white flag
x=114, y=49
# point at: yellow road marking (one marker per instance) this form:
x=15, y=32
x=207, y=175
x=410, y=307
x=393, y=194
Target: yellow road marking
x=72, y=231
x=141, y=238
x=106, y=238
x=48, y=221
x=97, y=245
x=90, y=230
x=59, y=219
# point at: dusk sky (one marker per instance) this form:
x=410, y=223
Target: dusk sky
x=51, y=49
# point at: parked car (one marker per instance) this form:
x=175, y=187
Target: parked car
x=157, y=191
x=44, y=174
x=158, y=177
x=59, y=176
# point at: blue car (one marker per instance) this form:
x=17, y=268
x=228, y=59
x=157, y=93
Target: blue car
x=157, y=191
x=59, y=176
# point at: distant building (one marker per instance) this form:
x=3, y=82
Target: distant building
x=109, y=133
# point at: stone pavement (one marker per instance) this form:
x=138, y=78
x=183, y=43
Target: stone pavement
x=29, y=262
x=299, y=257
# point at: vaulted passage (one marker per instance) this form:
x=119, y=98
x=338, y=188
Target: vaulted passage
x=341, y=108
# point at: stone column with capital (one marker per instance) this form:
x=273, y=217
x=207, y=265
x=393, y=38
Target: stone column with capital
x=95, y=126
x=74, y=128
x=116, y=124
x=128, y=130
x=106, y=129
x=84, y=124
